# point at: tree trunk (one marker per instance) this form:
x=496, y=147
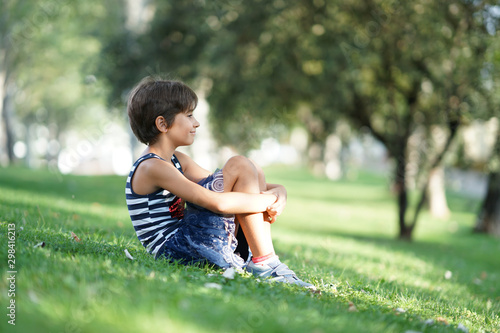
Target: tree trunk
x=315, y=154
x=405, y=232
x=488, y=220
x=3, y=127
x=453, y=126
x=30, y=157
x=6, y=91
x=331, y=157
x=436, y=195
x=6, y=110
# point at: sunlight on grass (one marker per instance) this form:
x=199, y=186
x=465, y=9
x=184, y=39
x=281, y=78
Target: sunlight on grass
x=339, y=235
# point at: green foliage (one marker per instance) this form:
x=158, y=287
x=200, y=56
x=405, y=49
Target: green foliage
x=390, y=66
x=335, y=234
x=262, y=63
x=50, y=50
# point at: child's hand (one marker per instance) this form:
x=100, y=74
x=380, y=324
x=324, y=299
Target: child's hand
x=274, y=210
x=269, y=218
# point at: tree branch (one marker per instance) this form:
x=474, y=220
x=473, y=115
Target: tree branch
x=453, y=125
x=362, y=116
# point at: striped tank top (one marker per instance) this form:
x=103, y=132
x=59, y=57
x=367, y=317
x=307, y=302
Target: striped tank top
x=155, y=216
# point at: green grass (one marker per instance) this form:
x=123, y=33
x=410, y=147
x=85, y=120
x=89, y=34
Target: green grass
x=339, y=235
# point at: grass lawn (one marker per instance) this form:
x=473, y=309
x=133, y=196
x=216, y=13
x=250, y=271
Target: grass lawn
x=338, y=235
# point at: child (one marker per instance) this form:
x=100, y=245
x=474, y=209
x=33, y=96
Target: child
x=162, y=180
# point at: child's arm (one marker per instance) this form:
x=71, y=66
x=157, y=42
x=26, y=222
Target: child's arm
x=164, y=175
x=278, y=206
x=191, y=170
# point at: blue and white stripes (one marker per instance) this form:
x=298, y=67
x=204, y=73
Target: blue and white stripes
x=155, y=216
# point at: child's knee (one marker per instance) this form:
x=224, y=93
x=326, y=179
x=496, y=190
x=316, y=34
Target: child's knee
x=260, y=172
x=240, y=165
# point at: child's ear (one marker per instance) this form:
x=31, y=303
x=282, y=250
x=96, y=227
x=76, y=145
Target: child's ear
x=161, y=124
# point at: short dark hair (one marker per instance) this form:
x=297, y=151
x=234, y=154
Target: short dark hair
x=153, y=97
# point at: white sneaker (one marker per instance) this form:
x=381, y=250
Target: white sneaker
x=276, y=271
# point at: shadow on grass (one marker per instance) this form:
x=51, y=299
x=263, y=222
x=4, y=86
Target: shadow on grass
x=468, y=255
x=241, y=304
x=424, y=304
x=70, y=272
x=61, y=213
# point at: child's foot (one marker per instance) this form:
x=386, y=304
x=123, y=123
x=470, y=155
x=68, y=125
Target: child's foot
x=277, y=272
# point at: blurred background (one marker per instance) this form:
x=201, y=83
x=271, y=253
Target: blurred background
x=409, y=90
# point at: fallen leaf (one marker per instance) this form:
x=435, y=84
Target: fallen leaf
x=75, y=237
x=128, y=254
x=442, y=320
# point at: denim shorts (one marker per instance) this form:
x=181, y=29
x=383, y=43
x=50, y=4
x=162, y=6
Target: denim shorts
x=205, y=237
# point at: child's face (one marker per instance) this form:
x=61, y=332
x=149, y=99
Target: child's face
x=183, y=130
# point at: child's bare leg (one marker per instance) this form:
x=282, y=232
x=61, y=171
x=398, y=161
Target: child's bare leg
x=241, y=175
